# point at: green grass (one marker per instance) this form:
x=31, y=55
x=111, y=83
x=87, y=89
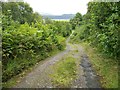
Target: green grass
x=65, y=72
x=106, y=68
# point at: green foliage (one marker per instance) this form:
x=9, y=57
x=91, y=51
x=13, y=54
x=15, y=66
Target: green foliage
x=26, y=42
x=79, y=34
x=27, y=38
x=76, y=21
x=101, y=27
x=20, y=11
x=63, y=28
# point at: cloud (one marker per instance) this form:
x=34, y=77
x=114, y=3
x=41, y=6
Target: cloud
x=58, y=7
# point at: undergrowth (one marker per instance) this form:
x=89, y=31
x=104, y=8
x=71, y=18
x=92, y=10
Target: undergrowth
x=65, y=72
x=21, y=67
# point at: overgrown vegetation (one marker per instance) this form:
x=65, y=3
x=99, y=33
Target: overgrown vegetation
x=26, y=42
x=76, y=21
x=28, y=39
x=100, y=29
x=65, y=72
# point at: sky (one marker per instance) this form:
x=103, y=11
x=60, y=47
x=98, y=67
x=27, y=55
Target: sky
x=59, y=7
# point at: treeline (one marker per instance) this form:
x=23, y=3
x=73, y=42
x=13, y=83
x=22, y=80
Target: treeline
x=100, y=26
x=27, y=38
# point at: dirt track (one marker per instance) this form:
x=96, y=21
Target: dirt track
x=39, y=77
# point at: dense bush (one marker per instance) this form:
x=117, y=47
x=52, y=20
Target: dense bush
x=101, y=27
x=25, y=42
x=27, y=39
x=76, y=21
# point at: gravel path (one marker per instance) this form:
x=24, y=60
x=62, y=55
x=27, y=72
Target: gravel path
x=40, y=76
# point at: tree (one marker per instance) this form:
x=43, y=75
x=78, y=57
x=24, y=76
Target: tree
x=37, y=17
x=20, y=11
x=102, y=22
x=76, y=21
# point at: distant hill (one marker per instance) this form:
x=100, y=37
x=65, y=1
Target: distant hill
x=64, y=16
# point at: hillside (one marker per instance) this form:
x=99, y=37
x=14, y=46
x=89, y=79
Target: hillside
x=64, y=16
